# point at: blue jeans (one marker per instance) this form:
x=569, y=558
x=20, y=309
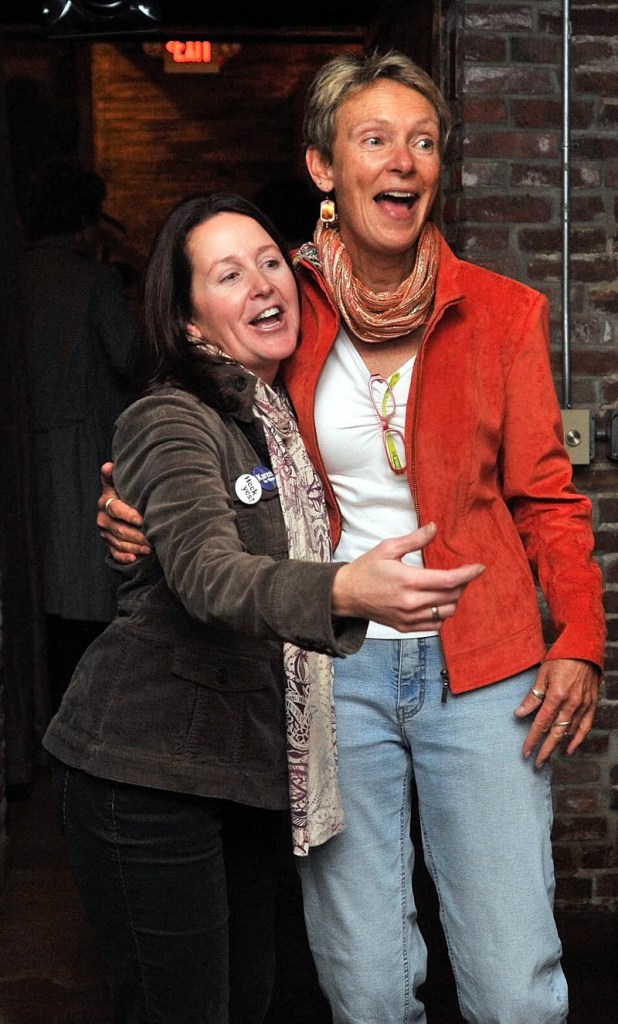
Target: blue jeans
x=485, y=816
x=180, y=892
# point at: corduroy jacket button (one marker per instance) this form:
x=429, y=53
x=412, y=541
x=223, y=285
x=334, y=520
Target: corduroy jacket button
x=240, y=383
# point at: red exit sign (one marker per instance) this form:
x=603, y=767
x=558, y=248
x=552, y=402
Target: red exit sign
x=194, y=55
x=190, y=51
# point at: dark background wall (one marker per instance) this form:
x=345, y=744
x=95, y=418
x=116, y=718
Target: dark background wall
x=155, y=135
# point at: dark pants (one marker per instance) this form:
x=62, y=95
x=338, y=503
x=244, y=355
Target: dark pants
x=180, y=892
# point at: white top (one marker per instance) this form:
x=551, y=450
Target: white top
x=375, y=502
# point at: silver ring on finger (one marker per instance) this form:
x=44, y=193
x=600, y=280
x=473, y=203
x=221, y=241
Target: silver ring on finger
x=562, y=725
x=435, y=614
x=539, y=694
x=108, y=503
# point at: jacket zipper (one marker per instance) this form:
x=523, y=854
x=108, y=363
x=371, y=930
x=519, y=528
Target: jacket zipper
x=444, y=673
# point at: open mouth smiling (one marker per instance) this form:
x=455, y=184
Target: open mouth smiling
x=268, y=318
x=407, y=199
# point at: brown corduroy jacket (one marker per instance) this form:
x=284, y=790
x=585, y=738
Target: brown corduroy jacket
x=185, y=689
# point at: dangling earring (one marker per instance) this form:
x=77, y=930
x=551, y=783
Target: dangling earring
x=328, y=213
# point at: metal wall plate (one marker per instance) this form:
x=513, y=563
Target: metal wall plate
x=579, y=435
x=613, y=441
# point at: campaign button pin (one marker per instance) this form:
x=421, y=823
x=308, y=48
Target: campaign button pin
x=248, y=489
x=265, y=476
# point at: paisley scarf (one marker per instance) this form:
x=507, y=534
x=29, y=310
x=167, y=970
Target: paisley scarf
x=310, y=718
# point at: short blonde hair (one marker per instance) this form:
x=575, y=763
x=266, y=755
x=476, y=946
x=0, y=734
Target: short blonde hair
x=349, y=73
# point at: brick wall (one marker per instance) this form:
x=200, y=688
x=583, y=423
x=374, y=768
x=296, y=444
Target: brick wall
x=192, y=132
x=503, y=209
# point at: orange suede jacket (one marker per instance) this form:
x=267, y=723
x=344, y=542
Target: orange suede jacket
x=486, y=462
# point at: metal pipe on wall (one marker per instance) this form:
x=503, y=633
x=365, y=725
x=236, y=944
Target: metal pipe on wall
x=579, y=424
x=566, y=300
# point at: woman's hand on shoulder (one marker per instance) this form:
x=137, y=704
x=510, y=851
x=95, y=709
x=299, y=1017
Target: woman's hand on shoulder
x=119, y=524
x=380, y=587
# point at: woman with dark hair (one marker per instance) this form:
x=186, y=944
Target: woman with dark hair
x=204, y=710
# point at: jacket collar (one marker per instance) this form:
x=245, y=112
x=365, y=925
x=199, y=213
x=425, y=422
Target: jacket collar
x=235, y=387
x=449, y=284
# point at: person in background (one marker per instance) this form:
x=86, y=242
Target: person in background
x=79, y=334
x=169, y=749
x=131, y=282
x=423, y=390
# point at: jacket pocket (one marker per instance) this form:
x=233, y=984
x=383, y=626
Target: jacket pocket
x=261, y=526
x=229, y=671
x=237, y=714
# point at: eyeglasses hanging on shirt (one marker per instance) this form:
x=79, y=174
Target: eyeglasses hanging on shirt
x=385, y=406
